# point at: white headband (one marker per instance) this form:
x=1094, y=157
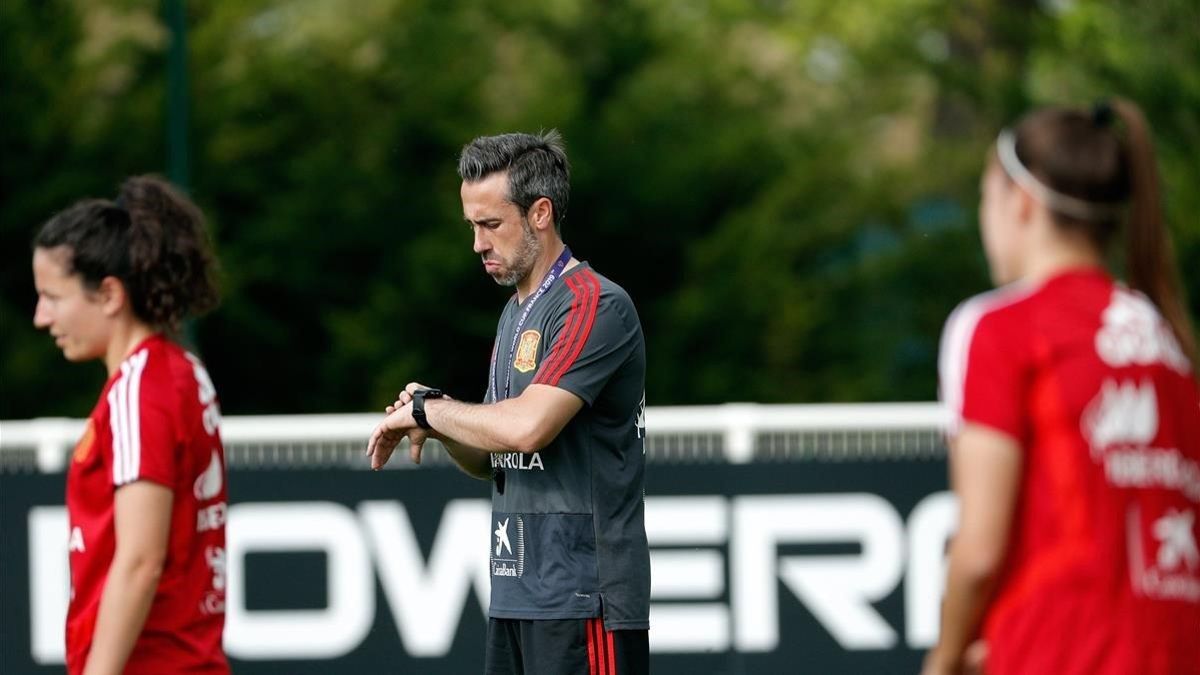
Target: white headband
x=1006, y=151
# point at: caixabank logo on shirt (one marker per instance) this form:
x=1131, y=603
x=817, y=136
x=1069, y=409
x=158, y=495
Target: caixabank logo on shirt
x=1120, y=424
x=1164, y=556
x=509, y=560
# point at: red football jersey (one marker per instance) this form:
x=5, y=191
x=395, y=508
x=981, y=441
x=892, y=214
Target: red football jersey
x=1103, y=572
x=157, y=420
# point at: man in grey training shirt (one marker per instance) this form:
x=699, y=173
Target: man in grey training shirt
x=560, y=432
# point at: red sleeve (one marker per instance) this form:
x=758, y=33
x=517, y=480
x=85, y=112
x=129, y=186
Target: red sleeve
x=982, y=370
x=572, y=328
x=143, y=421
x=593, y=338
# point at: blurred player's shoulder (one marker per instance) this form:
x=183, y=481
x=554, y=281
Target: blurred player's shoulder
x=1007, y=305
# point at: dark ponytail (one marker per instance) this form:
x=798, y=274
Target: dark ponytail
x=152, y=238
x=1093, y=176
x=1149, y=257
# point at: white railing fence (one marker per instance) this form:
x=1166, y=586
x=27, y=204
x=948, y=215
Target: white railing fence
x=731, y=432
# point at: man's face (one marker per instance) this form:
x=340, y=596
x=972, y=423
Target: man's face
x=504, y=239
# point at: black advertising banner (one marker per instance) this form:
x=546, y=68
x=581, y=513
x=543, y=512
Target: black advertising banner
x=809, y=567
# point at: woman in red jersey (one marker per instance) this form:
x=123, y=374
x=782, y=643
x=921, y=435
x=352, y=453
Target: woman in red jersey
x=146, y=483
x=1075, y=436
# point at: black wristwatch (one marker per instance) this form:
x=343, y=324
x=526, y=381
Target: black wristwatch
x=418, y=411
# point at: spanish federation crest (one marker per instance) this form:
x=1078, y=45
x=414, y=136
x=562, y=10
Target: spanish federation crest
x=526, y=358
x=83, y=449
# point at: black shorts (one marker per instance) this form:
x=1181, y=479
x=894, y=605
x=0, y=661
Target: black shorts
x=564, y=647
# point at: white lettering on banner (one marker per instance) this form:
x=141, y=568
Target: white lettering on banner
x=427, y=599
x=691, y=573
x=325, y=633
x=697, y=543
x=49, y=583
x=687, y=574
x=837, y=589
x=930, y=525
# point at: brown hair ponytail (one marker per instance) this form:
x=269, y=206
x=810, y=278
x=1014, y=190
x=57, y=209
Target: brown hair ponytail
x=152, y=238
x=1149, y=258
x=1087, y=170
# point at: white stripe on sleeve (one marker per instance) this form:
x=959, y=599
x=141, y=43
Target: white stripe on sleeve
x=123, y=406
x=955, y=349
x=123, y=399
x=138, y=364
x=114, y=425
x=124, y=415
x=952, y=364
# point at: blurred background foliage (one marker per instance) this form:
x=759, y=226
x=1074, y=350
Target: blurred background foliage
x=787, y=189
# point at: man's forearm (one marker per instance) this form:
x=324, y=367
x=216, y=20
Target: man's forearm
x=473, y=461
x=491, y=427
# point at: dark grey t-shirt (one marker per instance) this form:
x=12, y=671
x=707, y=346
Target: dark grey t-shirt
x=569, y=533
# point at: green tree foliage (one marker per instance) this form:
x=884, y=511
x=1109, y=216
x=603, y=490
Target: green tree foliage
x=787, y=189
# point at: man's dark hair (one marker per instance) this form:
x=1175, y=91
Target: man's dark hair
x=536, y=164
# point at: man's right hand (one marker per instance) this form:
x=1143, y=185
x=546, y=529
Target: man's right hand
x=388, y=434
x=394, y=428
x=384, y=440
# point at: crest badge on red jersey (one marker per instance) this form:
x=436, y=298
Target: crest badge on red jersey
x=526, y=358
x=83, y=449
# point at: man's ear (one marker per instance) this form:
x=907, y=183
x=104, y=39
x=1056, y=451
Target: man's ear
x=112, y=295
x=541, y=213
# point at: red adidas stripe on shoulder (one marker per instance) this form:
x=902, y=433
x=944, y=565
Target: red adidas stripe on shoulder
x=576, y=330
x=564, y=337
x=592, y=284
